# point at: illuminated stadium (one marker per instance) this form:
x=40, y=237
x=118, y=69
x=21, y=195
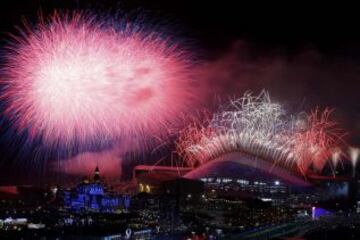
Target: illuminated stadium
x=245, y=177
x=258, y=146
x=235, y=165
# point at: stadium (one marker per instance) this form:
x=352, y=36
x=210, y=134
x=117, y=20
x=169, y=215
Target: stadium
x=254, y=148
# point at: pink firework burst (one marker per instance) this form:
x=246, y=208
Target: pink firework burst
x=74, y=78
x=187, y=144
x=315, y=143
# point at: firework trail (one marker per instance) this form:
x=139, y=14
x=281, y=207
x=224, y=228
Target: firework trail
x=256, y=126
x=76, y=78
x=354, y=157
x=336, y=157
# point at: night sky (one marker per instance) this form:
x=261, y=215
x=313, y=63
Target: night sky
x=306, y=56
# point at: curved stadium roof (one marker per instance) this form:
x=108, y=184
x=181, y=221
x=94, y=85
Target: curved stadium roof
x=238, y=165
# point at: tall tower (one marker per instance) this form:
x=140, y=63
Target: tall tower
x=97, y=174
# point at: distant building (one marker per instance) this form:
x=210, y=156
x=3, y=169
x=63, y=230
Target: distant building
x=163, y=188
x=186, y=191
x=262, y=188
x=178, y=194
x=150, y=179
x=336, y=188
x=92, y=195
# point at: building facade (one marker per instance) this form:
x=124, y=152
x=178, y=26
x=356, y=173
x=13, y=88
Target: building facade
x=93, y=195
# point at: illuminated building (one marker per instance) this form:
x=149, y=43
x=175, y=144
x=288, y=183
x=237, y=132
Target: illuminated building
x=245, y=178
x=92, y=195
x=254, y=186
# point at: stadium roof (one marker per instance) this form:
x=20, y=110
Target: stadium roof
x=237, y=165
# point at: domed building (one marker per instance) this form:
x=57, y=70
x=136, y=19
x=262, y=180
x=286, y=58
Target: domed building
x=93, y=195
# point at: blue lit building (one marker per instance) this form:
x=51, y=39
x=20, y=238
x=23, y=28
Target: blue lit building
x=92, y=195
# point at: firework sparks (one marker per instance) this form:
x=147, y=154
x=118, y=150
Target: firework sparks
x=354, y=157
x=314, y=144
x=257, y=126
x=76, y=78
x=336, y=157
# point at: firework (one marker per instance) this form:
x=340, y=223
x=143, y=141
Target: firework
x=248, y=124
x=336, y=157
x=315, y=143
x=76, y=78
x=354, y=157
x=256, y=126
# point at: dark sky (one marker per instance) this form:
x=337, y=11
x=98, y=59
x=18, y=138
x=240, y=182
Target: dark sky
x=304, y=54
